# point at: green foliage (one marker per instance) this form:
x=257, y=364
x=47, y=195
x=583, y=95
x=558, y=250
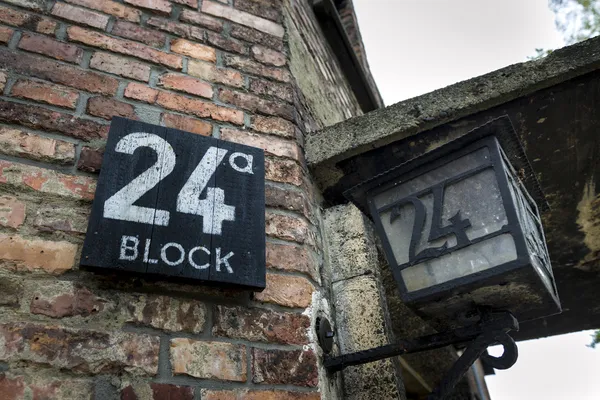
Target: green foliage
x=578, y=20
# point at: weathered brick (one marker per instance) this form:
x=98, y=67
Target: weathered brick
x=177, y=28
x=263, y=8
x=43, y=68
x=64, y=219
x=260, y=325
x=50, y=47
x=106, y=108
x=5, y=34
x=11, y=292
x=41, y=118
x=111, y=7
x=211, y=73
x=184, y=83
x=199, y=108
x=12, y=387
x=292, y=259
x=227, y=44
x=245, y=394
x=286, y=290
x=141, y=92
x=243, y=18
x=123, y=46
x=257, y=104
x=288, y=199
x=80, y=15
x=65, y=299
x=266, y=88
x=271, y=145
x=287, y=227
x=164, y=312
x=201, y=19
x=2, y=80
x=273, y=125
x=90, y=160
x=208, y=360
x=120, y=66
x=47, y=181
x=12, y=212
x=18, y=143
x=157, y=391
x=61, y=388
x=187, y=124
x=285, y=367
x=28, y=255
x=254, y=36
x=254, y=68
x=159, y=6
x=15, y=17
x=268, y=56
x=132, y=31
x=45, y=93
x=81, y=351
x=194, y=50
x=189, y=3
x=286, y=171
x=46, y=26
x=37, y=5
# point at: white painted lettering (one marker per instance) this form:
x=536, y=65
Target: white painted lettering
x=247, y=169
x=224, y=261
x=163, y=254
x=129, y=244
x=191, y=260
x=147, y=252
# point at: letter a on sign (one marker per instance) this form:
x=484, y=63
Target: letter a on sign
x=178, y=204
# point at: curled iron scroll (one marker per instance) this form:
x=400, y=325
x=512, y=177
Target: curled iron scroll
x=508, y=357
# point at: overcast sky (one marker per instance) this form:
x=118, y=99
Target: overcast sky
x=416, y=46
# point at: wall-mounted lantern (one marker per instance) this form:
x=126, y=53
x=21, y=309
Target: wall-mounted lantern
x=464, y=240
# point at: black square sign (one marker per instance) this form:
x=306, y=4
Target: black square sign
x=178, y=204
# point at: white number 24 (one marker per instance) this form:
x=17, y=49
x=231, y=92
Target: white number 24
x=212, y=209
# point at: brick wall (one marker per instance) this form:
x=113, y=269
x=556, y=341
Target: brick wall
x=212, y=67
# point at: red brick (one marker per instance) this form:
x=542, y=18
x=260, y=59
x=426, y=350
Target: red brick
x=167, y=313
x=292, y=259
x=12, y=212
x=244, y=18
x=157, y=391
x=266, y=88
x=287, y=199
x=68, y=219
x=12, y=388
x=245, y=394
x=201, y=19
x=18, y=143
x=65, y=300
x=254, y=36
x=28, y=255
x=187, y=124
x=199, y=108
x=5, y=34
x=254, y=68
x=194, y=50
x=90, y=160
x=268, y=56
x=106, y=108
x=286, y=171
x=273, y=125
x=81, y=351
x=208, y=360
x=120, y=66
x=45, y=93
x=43, y=68
x=285, y=367
x=50, y=47
x=227, y=44
x=256, y=104
x=132, y=31
x=80, y=15
x=287, y=227
x=261, y=325
x=262, y=8
x=177, y=28
x=37, y=5
x=23, y=176
x=11, y=16
x=141, y=92
x=287, y=291
x=46, y=26
x=160, y=6
x=41, y=118
x=189, y=3
x=112, y=8
x=271, y=145
x=184, y=83
x=210, y=72
x=123, y=46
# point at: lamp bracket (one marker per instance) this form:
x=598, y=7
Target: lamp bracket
x=490, y=328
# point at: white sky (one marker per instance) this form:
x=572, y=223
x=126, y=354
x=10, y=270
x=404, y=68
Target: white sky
x=416, y=46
